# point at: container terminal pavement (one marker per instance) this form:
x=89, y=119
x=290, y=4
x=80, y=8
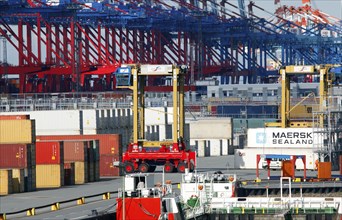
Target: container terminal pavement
x=27, y=204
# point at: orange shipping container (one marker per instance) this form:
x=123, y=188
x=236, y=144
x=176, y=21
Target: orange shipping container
x=324, y=170
x=287, y=168
x=14, y=117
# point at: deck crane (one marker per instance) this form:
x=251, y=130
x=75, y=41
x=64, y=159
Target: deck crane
x=144, y=155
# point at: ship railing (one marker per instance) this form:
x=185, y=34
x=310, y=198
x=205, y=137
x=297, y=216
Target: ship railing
x=277, y=205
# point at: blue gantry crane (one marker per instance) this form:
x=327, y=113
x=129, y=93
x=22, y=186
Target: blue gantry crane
x=64, y=45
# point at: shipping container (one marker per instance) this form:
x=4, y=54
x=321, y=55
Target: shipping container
x=14, y=117
x=211, y=129
x=81, y=172
x=282, y=137
x=91, y=172
x=18, y=177
x=97, y=170
x=107, y=167
x=75, y=151
x=340, y=164
x=13, y=155
x=155, y=116
x=93, y=151
x=324, y=170
x=69, y=174
x=30, y=178
x=17, y=131
x=49, y=152
x=6, y=186
x=31, y=155
x=108, y=143
x=251, y=111
x=49, y=175
x=57, y=122
x=88, y=121
x=287, y=169
x=200, y=145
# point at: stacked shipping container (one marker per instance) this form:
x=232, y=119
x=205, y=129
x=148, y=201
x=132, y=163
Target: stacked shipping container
x=76, y=155
x=50, y=164
x=110, y=150
x=17, y=153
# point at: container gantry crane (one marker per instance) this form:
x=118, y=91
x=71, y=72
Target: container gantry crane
x=64, y=45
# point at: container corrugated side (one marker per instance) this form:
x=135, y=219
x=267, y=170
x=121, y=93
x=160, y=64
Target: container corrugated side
x=69, y=174
x=57, y=122
x=91, y=172
x=31, y=155
x=340, y=164
x=324, y=170
x=93, y=150
x=81, y=172
x=6, y=186
x=13, y=155
x=18, y=176
x=49, y=176
x=108, y=143
x=49, y=152
x=30, y=178
x=75, y=151
x=17, y=132
x=107, y=167
x=14, y=117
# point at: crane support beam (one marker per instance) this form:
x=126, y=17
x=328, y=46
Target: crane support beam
x=326, y=81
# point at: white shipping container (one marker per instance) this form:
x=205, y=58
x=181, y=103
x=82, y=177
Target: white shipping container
x=60, y=122
x=211, y=128
x=89, y=121
x=215, y=147
x=56, y=122
x=200, y=148
x=155, y=116
x=246, y=158
x=281, y=137
x=225, y=145
x=162, y=132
